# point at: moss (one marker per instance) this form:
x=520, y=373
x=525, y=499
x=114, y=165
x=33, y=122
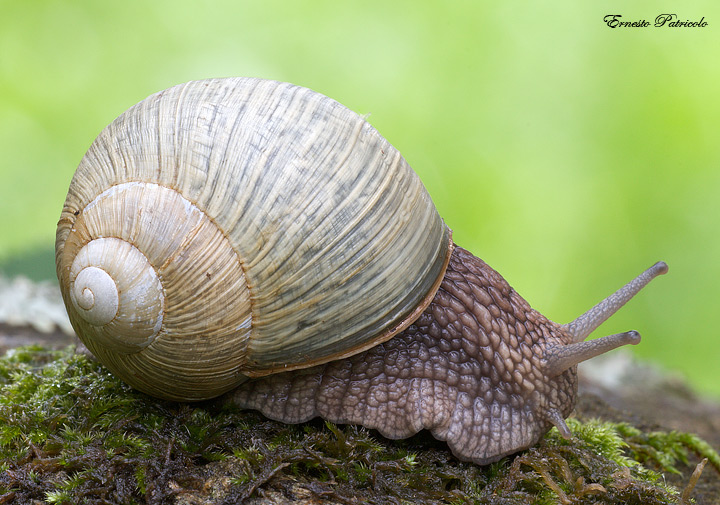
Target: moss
x=663, y=449
x=72, y=433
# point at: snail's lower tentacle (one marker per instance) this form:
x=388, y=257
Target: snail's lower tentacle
x=559, y=358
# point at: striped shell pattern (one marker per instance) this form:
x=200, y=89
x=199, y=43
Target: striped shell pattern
x=232, y=228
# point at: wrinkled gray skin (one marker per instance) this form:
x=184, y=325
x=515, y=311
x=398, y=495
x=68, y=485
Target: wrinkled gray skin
x=470, y=370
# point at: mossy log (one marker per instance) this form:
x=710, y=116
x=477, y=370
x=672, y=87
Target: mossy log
x=72, y=433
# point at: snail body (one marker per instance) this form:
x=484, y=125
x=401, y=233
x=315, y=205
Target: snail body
x=257, y=239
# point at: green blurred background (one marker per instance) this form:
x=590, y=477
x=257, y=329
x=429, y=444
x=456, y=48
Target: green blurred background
x=568, y=155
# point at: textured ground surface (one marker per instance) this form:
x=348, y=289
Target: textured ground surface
x=56, y=405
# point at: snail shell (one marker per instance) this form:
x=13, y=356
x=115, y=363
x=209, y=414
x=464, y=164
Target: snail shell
x=231, y=228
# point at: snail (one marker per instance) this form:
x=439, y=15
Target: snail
x=258, y=240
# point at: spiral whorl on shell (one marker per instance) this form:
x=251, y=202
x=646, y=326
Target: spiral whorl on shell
x=236, y=227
